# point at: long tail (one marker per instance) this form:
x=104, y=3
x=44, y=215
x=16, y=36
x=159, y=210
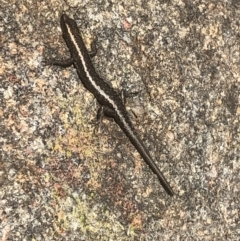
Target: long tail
x=148, y=159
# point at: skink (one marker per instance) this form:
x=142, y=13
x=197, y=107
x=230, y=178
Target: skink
x=111, y=103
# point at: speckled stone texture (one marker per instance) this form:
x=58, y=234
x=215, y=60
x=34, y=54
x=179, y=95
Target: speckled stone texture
x=62, y=179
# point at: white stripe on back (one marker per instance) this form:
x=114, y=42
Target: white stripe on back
x=98, y=88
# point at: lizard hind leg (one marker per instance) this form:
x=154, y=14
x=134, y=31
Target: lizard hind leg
x=103, y=111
